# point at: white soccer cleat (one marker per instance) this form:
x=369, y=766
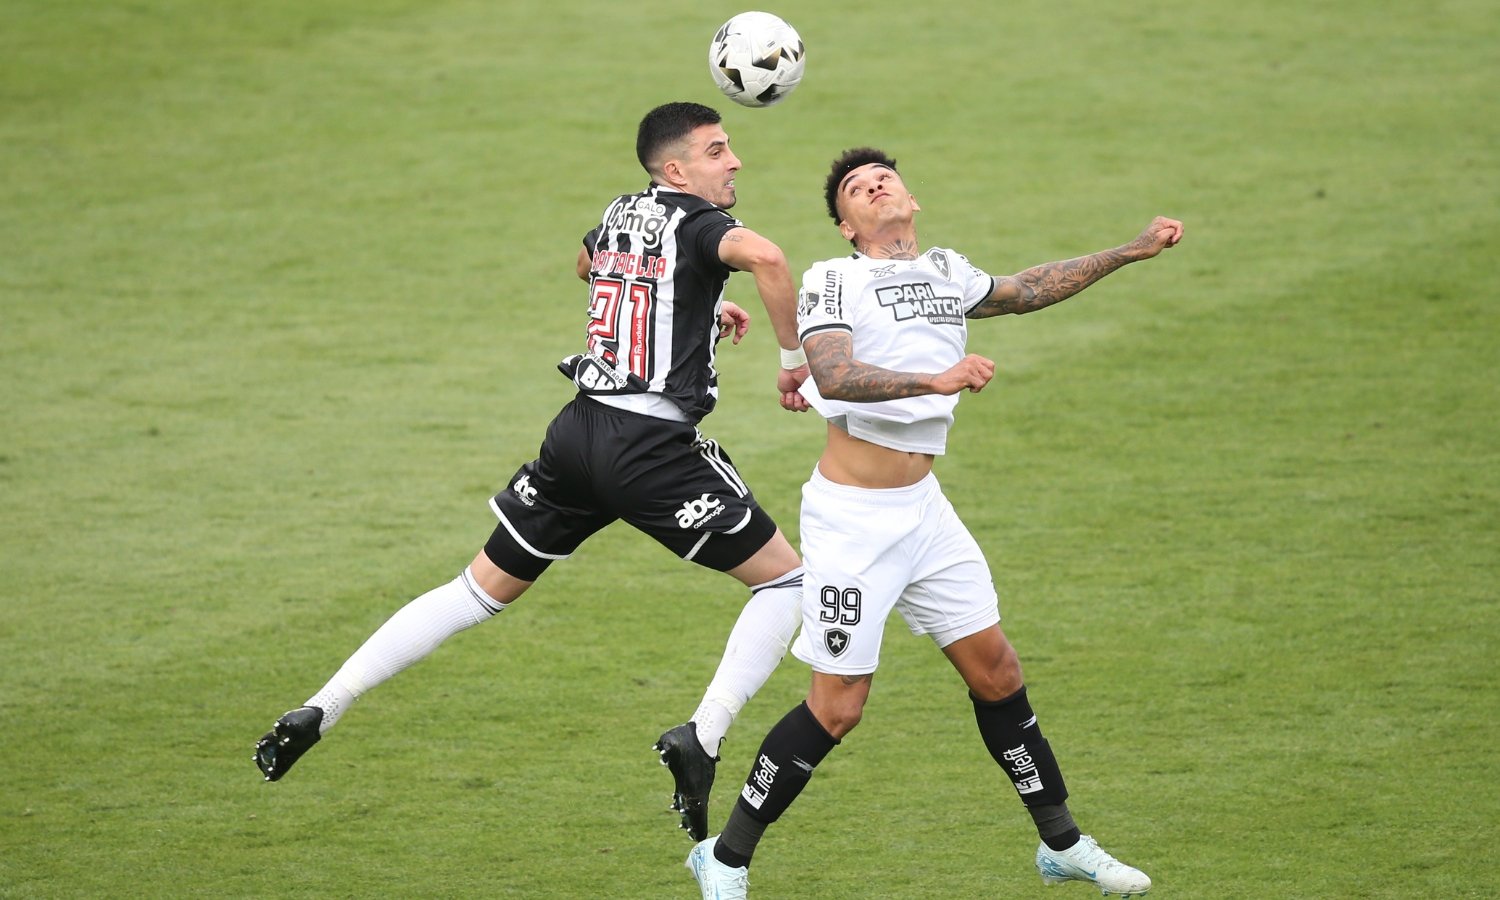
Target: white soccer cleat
x=716, y=880
x=1087, y=861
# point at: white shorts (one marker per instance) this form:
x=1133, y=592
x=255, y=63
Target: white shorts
x=865, y=551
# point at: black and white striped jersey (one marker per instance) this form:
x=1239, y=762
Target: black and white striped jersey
x=656, y=285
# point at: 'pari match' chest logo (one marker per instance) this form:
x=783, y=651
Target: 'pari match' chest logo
x=910, y=301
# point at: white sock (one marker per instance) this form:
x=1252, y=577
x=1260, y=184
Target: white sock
x=406, y=637
x=759, y=640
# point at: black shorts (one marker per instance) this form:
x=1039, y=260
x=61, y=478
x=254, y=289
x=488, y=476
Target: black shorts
x=598, y=464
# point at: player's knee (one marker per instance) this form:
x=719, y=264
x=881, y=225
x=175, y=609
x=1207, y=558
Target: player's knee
x=839, y=715
x=998, y=681
x=990, y=667
x=844, y=723
x=498, y=584
x=773, y=559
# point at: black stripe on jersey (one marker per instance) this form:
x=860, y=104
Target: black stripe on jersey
x=832, y=326
x=972, y=306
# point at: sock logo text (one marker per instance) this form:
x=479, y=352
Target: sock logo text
x=759, y=785
x=1022, y=770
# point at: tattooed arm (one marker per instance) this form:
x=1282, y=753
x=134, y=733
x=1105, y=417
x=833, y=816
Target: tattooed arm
x=1043, y=285
x=842, y=377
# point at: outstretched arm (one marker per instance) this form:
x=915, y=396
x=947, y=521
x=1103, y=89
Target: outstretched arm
x=749, y=252
x=1046, y=284
x=842, y=377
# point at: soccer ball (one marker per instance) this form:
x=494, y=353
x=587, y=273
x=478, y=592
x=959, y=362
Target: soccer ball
x=756, y=59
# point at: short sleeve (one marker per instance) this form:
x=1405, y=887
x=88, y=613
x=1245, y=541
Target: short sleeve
x=974, y=283
x=700, y=235
x=820, y=303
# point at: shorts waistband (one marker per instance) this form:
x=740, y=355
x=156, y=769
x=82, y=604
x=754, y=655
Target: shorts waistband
x=875, y=497
x=625, y=412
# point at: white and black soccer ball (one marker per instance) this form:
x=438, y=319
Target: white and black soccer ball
x=756, y=59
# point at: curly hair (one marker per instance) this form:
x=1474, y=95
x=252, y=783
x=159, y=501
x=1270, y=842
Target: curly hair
x=847, y=162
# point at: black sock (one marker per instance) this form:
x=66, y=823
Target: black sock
x=784, y=765
x=1014, y=739
x=1054, y=824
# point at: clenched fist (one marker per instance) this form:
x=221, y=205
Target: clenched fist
x=972, y=372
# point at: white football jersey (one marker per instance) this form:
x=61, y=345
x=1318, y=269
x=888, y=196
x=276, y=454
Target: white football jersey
x=905, y=315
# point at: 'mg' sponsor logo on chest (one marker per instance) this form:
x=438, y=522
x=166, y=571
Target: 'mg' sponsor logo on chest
x=909, y=301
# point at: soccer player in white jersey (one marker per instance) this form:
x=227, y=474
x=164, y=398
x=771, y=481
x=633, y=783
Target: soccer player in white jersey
x=884, y=332
x=628, y=448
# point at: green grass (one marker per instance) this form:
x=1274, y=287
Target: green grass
x=281, y=290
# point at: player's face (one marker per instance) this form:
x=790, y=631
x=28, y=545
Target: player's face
x=709, y=166
x=870, y=196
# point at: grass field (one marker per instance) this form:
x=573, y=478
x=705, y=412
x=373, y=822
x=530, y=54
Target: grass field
x=282, y=286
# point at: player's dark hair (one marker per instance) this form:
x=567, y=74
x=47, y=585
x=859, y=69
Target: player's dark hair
x=668, y=124
x=846, y=163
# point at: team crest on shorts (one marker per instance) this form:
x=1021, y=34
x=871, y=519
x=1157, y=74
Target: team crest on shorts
x=836, y=640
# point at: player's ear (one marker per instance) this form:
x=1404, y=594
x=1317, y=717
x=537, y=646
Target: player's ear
x=671, y=171
x=915, y=206
x=846, y=230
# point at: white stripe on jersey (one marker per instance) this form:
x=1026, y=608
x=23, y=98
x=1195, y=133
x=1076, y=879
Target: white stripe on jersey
x=655, y=352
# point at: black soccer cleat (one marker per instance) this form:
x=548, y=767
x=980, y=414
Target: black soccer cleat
x=295, y=733
x=693, y=771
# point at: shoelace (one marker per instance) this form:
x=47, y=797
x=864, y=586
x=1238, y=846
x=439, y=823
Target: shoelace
x=1091, y=856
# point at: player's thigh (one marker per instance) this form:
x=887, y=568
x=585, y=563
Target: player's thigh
x=534, y=530
x=768, y=564
x=854, y=569
x=952, y=593
x=549, y=506
x=685, y=493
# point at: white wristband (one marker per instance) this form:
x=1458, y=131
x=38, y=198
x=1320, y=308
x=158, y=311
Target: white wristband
x=793, y=359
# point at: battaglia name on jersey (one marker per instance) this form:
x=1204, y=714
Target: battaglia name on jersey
x=637, y=265
x=908, y=301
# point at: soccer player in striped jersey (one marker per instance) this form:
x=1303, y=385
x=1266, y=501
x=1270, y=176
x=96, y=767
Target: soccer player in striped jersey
x=627, y=447
x=884, y=331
